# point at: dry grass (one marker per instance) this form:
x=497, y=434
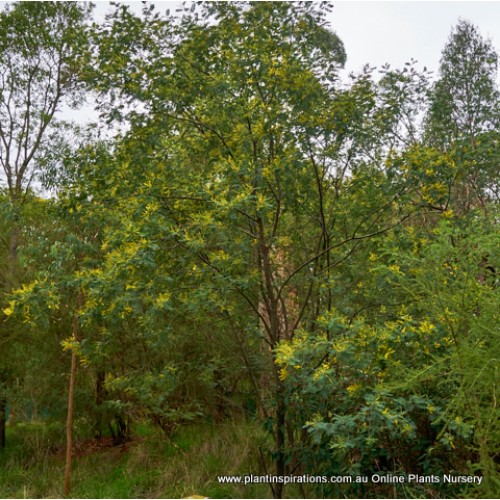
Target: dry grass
x=151, y=466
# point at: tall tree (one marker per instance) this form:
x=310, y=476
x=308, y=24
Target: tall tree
x=464, y=113
x=241, y=162
x=241, y=89
x=41, y=46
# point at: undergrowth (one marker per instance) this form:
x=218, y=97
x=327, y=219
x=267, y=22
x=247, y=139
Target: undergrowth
x=152, y=465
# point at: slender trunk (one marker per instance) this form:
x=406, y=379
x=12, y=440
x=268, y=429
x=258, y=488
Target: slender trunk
x=279, y=308
x=69, y=421
x=12, y=277
x=265, y=375
x=122, y=430
x=220, y=409
x=260, y=408
x=280, y=438
x=99, y=400
x=69, y=426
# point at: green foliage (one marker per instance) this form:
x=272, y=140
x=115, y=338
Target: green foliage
x=464, y=114
x=42, y=48
x=263, y=242
x=464, y=101
x=423, y=378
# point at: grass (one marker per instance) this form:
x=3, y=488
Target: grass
x=153, y=466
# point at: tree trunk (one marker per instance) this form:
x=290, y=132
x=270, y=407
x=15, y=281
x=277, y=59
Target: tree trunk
x=122, y=430
x=69, y=426
x=265, y=375
x=99, y=400
x=280, y=437
x=278, y=309
x=69, y=421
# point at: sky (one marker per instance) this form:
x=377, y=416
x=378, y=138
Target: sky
x=394, y=32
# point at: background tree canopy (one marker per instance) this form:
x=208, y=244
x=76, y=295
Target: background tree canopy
x=262, y=247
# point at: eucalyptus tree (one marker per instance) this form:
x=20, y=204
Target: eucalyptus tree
x=464, y=114
x=41, y=49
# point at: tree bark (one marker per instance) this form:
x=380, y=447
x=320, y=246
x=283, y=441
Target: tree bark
x=69, y=426
x=280, y=437
x=69, y=421
x=99, y=400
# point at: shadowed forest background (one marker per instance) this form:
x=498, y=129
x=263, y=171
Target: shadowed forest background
x=245, y=265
